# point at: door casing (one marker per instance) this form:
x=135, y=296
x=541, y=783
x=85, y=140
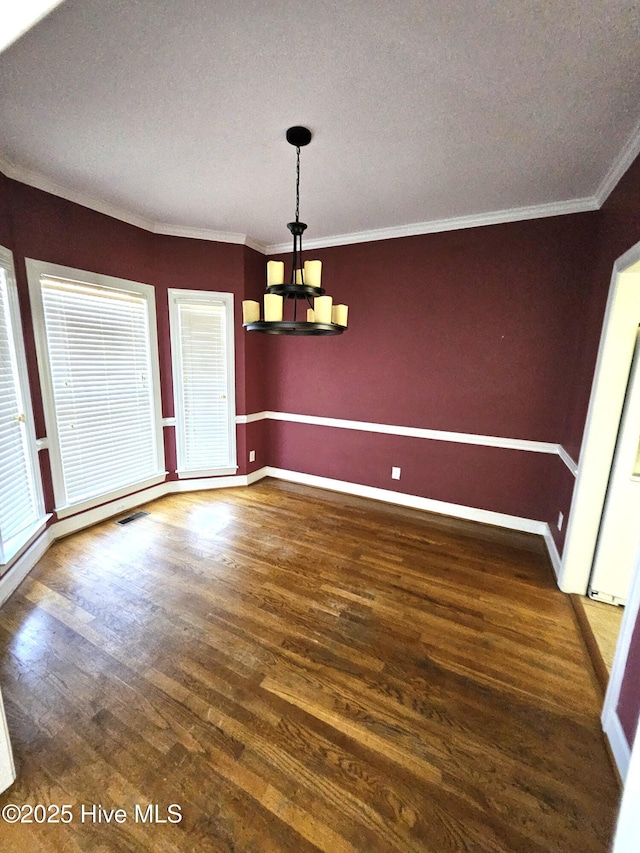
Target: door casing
x=615, y=357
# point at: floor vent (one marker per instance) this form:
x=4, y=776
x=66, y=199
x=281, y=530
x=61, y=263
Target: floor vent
x=131, y=517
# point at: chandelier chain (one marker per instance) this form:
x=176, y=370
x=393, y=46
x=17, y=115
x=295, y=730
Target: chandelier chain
x=322, y=317
x=297, y=183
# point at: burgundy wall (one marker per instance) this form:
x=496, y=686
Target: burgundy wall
x=560, y=488
x=618, y=230
x=466, y=331
x=490, y=330
x=255, y=345
x=490, y=478
x=37, y=225
x=255, y=434
x=629, y=699
x=194, y=265
x=6, y=237
x=49, y=228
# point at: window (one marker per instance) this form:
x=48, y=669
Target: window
x=97, y=351
x=203, y=381
x=21, y=504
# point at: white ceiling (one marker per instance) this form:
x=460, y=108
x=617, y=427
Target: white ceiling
x=172, y=113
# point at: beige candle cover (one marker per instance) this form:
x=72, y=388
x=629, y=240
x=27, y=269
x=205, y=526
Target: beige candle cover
x=322, y=308
x=310, y=315
x=250, y=311
x=299, y=277
x=275, y=272
x=272, y=307
x=339, y=314
x=312, y=273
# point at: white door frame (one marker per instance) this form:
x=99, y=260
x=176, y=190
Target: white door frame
x=7, y=768
x=615, y=355
x=628, y=827
x=620, y=747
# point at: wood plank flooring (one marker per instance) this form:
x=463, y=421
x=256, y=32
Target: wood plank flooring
x=605, y=622
x=302, y=671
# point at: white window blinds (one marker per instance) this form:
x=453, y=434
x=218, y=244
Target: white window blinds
x=202, y=348
x=20, y=498
x=100, y=386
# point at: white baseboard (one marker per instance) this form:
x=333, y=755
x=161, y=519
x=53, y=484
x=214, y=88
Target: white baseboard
x=205, y=483
x=469, y=513
x=73, y=523
x=21, y=567
x=260, y=474
x=19, y=570
x=617, y=741
x=552, y=549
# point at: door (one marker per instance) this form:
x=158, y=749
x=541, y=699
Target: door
x=620, y=524
x=7, y=770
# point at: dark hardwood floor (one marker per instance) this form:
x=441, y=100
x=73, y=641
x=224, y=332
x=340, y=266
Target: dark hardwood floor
x=300, y=671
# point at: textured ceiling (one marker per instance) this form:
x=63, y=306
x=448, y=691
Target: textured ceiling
x=174, y=111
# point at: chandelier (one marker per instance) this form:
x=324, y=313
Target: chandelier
x=322, y=316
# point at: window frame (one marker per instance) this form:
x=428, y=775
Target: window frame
x=35, y=271
x=11, y=547
x=202, y=297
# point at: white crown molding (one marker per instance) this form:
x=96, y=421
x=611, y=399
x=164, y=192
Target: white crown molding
x=206, y=234
x=620, y=165
x=625, y=158
x=40, y=182
x=516, y=214
x=6, y=166
x=495, y=217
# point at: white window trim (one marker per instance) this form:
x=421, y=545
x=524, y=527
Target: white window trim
x=205, y=297
x=11, y=547
x=35, y=270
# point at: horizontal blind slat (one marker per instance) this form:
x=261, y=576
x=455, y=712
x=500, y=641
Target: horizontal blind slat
x=18, y=502
x=204, y=421
x=100, y=363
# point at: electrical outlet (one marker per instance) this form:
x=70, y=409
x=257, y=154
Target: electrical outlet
x=560, y=520
x=252, y=456
x=395, y=473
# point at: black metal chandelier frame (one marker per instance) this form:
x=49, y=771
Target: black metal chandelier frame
x=296, y=290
